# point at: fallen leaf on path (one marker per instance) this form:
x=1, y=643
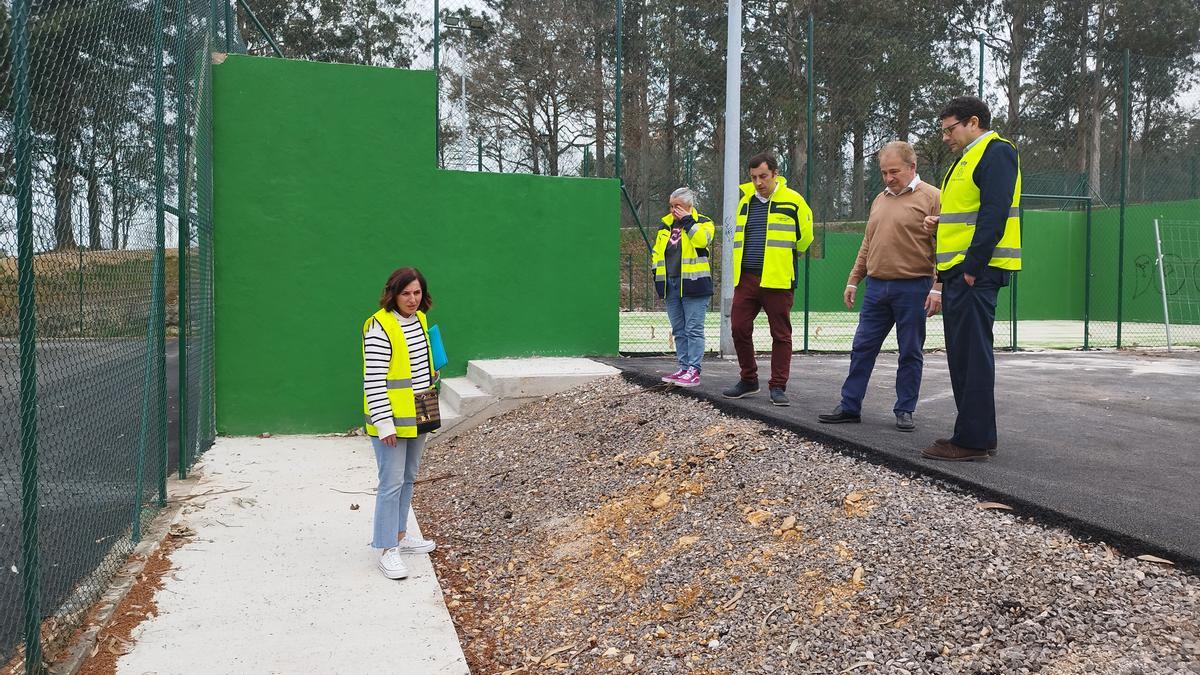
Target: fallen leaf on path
x=993, y=505
x=1154, y=559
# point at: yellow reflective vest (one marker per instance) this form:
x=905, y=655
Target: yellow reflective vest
x=694, y=268
x=789, y=233
x=399, y=375
x=960, y=211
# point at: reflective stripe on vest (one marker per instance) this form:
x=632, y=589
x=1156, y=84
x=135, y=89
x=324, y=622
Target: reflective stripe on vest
x=960, y=211
x=399, y=375
x=398, y=421
x=694, y=265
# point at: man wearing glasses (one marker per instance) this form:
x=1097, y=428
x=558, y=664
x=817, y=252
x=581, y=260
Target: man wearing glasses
x=978, y=245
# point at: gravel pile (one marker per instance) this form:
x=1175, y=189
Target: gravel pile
x=617, y=529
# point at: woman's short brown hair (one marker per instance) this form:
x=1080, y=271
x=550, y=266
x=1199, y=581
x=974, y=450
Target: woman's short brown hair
x=397, y=282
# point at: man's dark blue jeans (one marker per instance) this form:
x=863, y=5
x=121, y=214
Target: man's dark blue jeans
x=887, y=303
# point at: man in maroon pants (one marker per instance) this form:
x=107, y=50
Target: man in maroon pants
x=774, y=226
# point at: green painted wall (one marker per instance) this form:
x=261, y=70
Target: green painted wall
x=1051, y=284
x=1046, y=234
x=325, y=182
x=1142, y=299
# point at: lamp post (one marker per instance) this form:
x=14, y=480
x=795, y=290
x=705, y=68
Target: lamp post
x=475, y=26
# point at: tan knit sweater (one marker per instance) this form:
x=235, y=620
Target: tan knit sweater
x=896, y=245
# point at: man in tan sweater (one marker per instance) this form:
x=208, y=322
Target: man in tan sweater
x=897, y=259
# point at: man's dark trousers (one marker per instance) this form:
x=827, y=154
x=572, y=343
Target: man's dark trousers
x=748, y=299
x=968, y=313
x=899, y=302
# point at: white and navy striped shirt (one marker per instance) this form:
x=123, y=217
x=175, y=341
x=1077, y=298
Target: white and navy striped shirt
x=377, y=352
x=754, y=240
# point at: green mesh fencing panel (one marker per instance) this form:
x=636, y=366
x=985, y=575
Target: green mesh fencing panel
x=1108, y=143
x=90, y=291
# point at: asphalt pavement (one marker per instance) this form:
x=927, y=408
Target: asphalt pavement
x=1106, y=443
x=89, y=428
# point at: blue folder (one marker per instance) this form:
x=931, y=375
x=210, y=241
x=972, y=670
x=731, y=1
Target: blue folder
x=437, y=348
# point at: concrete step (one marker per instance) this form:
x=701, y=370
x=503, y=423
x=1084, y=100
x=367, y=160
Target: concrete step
x=464, y=396
x=518, y=378
x=451, y=416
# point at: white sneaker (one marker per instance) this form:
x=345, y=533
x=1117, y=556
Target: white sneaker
x=391, y=565
x=411, y=544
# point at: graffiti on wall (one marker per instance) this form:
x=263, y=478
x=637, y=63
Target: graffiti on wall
x=1182, y=275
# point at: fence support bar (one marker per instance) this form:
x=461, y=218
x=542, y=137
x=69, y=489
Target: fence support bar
x=1125, y=112
x=1162, y=281
x=261, y=29
x=27, y=337
x=181, y=198
x=1087, y=279
x=636, y=219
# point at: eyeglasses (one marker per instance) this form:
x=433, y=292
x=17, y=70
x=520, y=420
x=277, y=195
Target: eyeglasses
x=946, y=130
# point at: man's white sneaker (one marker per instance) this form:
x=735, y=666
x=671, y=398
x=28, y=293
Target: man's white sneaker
x=414, y=545
x=391, y=565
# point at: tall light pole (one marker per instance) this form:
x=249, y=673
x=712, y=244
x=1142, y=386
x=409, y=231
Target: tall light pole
x=730, y=190
x=474, y=26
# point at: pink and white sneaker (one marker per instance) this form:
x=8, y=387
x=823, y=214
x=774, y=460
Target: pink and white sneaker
x=689, y=378
x=671, y=379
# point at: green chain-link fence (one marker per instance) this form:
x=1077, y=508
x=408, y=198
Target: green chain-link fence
x=1109, y=142
x=1107, y=123
x=105, y=293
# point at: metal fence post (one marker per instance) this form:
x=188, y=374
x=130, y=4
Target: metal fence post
x=79, y=292
x=808, y=171
x=437, y=82
x=1087, y=278
x=1125, y=112
x=629, y=273
x=981, y=53
x=228, y=26
x=617, y=98
x=27, y=337
x=730, y=192
x=1012, y=287
x=181, y=201
x=159, y=292
x=153, y=341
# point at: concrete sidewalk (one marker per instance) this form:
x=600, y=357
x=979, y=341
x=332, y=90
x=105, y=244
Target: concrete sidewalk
x=281, y=578
x=1108, y=442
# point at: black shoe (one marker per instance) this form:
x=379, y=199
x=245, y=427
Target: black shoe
x=839, y=416
x=778, y=397
x=742, y=388
x=904, y=421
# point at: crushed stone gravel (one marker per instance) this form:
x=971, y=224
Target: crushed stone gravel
x=619, y=529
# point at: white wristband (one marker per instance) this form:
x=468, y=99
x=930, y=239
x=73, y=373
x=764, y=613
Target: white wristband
x=851, y=286
x=932, y=292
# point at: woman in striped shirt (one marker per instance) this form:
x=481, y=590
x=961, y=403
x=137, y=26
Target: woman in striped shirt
x=396, y=363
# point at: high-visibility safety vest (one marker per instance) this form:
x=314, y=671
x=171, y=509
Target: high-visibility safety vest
x=789, y=232
x=695, y=272
x=399, y=375
x=960, y=210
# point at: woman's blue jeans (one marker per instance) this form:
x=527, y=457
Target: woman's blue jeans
x=687, y=324
x=397, y=471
